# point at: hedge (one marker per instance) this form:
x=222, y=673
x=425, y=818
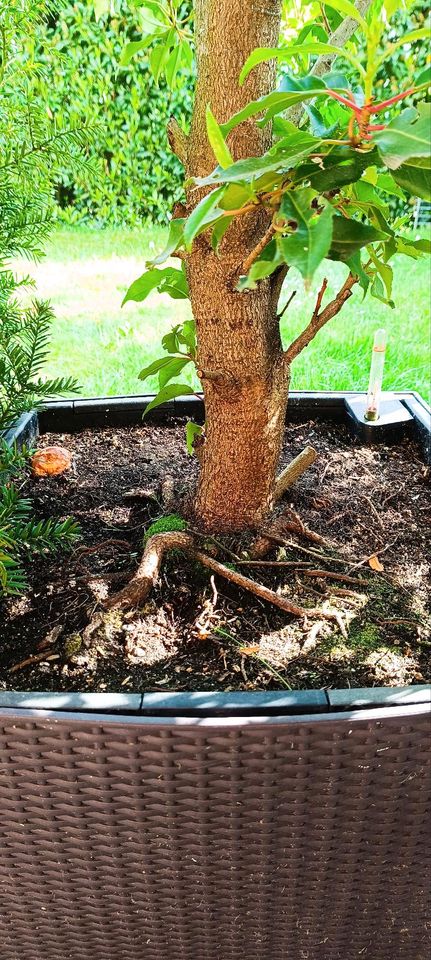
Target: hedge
x=139, y=176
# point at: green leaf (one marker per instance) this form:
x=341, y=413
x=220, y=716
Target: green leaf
x=175, y=240
x=310, y=242
x=154, y=367
x=355, y=266
x=219, y=231
x=187, y=335
x=173, y=65
x=172, y=369
x=263, y=267
x=348, y=10
x=349, y=236
x=135, y=46
x=262, y=54
x=414, y=178
x=169, y=393
x=170, y=341
x=406, y=137
x=217, y=141
x=205, y=213
x=169, y=280
x=276, y=102
x=160, y=54
x=193, y=430
x=284, y=155
x=342, y=166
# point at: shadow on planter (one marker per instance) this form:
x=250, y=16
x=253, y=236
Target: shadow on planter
x=214, y=826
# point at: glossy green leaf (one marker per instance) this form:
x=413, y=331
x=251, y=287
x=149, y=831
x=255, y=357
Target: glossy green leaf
x=205, y=213
x=348, y=236
x=273, y=104
x=284, y=155
x=169, y=392
x=415, y=178
x=310, y=242
x=269, y=260
x=175, y=240
x=170, y=341
x=406, y=137
x=356, y=267
x=219, y=231
x=172, y=369
x=187, y=335
x=342, y=166
x=154, y=367
x=135, y=46
x=348, y=9
x=282, y=55
x=217, y=141
x=169, y=280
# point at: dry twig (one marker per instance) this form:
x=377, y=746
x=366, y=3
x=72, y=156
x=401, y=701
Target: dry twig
x=293, y=471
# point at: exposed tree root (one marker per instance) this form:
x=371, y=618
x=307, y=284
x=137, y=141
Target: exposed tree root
x=288, y=522
x=138, y=589
x=291, y=474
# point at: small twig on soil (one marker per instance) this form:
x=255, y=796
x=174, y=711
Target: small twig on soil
x=292, y=564
x=327, y=558
x=375, y=553
x=35, y=658
x=333, y=575
x=291, y=474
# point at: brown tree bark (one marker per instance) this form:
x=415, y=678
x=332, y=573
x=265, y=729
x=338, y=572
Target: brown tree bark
x=244, y=376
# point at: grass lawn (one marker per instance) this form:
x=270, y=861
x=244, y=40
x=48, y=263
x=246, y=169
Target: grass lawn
x=86, y=272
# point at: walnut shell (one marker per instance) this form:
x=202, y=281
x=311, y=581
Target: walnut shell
x=50, y=462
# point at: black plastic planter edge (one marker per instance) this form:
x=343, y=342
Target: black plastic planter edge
x=79, y=414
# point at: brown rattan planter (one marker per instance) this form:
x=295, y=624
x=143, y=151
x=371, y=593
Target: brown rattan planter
x=209, y=826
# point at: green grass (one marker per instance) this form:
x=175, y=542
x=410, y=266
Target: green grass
x=86, y=272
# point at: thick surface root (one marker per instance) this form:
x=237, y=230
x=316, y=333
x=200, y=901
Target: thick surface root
x=138, y=589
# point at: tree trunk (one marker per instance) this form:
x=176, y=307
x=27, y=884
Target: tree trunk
x=245, y=379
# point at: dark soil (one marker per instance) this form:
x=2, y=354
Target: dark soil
x=187, y=637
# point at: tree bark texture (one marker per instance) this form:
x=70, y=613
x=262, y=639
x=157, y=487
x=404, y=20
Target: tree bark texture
x=244, y=375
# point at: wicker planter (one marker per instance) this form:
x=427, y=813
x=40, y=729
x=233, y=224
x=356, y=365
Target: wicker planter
x=210, y=826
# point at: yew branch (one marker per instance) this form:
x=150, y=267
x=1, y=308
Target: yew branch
x=319, y=318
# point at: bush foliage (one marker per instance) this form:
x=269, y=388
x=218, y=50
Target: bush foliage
x=140, y=176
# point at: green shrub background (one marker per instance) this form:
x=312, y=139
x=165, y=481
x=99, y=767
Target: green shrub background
x=139, y=176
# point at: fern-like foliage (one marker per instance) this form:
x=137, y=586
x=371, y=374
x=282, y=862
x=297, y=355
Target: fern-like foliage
x=21, y=535
x=24, y=348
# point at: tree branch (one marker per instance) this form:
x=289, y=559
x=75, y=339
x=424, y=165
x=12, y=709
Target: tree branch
x=178, y=140
x=257, y=250
x=318, y=320
x=338, y=38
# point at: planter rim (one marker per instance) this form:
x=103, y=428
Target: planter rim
x=245, y=706
x=203, y=706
